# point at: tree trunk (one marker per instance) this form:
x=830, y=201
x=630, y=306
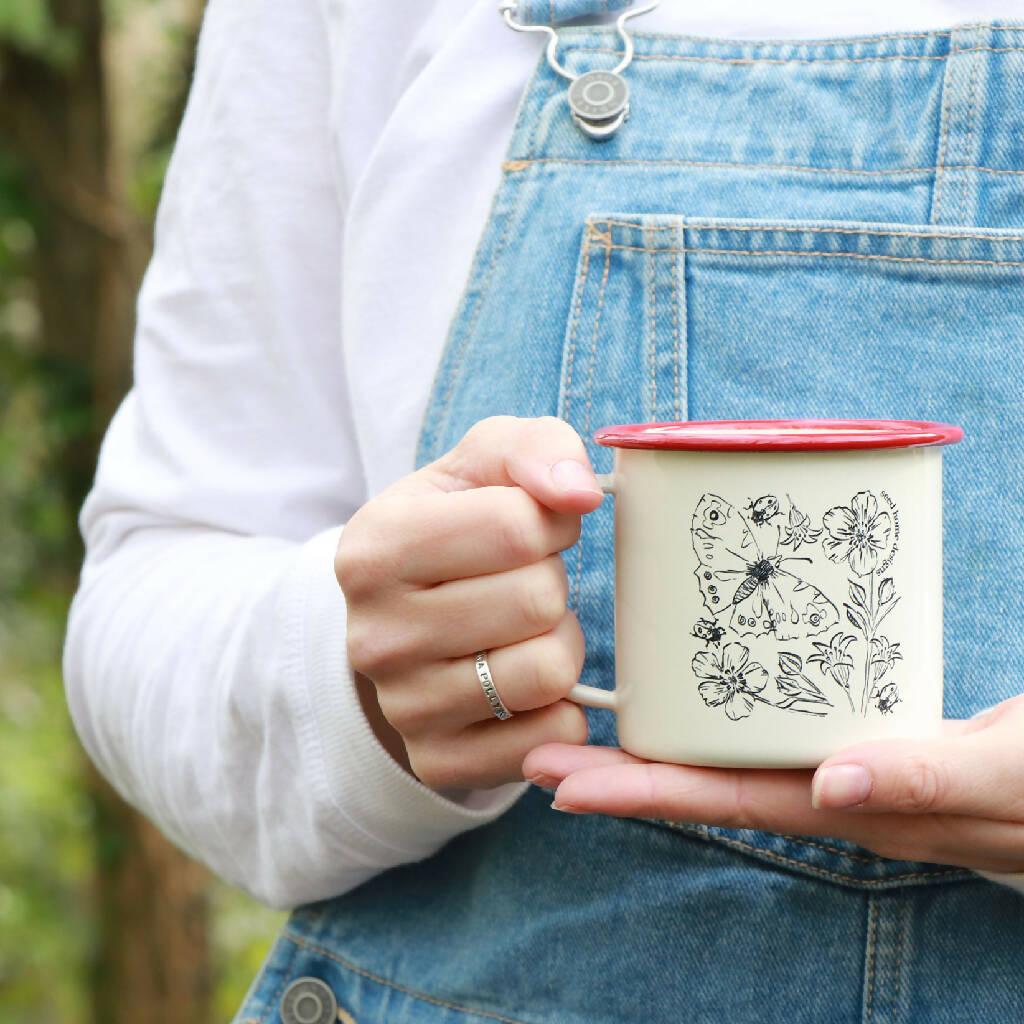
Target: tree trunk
x=153, y=963
x=152, y=951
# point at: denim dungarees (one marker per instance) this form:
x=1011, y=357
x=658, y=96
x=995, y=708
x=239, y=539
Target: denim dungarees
x=780, y=229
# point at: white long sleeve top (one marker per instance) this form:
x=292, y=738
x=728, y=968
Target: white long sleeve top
x=289, y=327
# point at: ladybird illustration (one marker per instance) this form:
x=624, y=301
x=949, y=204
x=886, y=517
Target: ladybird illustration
x=708, y=631
x=764, y=509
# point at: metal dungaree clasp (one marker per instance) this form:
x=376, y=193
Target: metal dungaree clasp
x=599, y=100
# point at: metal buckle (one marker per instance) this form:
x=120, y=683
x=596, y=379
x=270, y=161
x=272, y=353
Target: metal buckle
x=599, y=100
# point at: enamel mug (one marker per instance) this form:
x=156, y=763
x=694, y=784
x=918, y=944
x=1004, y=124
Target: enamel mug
x=778, y=588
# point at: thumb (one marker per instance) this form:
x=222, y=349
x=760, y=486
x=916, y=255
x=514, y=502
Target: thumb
x=543, y=456
x=975, y=770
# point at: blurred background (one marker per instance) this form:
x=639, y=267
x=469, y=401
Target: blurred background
x=101, y=920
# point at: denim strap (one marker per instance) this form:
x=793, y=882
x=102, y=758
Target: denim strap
x=550, y=12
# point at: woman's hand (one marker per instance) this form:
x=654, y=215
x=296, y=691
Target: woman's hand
x=957, y=799
x=460, y=557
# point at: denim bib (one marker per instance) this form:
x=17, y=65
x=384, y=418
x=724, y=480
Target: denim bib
x=779, y=230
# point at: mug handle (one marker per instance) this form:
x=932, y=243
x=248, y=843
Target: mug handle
x=593, y=696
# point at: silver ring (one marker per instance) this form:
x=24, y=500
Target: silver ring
x=483, y=673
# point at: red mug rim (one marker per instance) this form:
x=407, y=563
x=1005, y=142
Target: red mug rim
x=778, y=435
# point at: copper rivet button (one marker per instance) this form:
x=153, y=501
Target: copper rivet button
x=308, y=1001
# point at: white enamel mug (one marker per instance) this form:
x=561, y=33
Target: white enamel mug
x=778, y=588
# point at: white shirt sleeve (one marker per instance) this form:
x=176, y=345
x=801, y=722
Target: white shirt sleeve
x=205, y=652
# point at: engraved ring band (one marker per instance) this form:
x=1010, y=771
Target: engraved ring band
x=483, y=673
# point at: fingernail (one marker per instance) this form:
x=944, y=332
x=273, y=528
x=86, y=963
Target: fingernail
x=546, y=781
x=841, y=785
x=566, y=808
x=570, y=475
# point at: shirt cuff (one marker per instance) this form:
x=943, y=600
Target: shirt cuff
x=395, y=811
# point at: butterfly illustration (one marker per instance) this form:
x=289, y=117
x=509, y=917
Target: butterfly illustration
x=748, y=587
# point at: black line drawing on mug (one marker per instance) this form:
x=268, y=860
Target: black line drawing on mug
x=861, y=535
x=731, y=681
x=797, y=688
x=750, y=590
x=708, y=631
x=834, y=661
x=749, y=593
x=764, y=509
x=800, y=530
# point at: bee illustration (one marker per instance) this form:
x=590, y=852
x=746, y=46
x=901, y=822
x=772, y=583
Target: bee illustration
x=764, y=509
x=708, y=631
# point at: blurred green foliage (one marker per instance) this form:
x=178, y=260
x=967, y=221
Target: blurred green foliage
x=46, y=846
x=29, y=25
x=47, y=842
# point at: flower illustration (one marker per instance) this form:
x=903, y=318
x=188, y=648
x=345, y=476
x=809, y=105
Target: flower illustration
x=858, y=534
x=729, y=679
x=799, y=530
x=887, y=698
x=796, y=689
x=884, y=655
x=832, y=658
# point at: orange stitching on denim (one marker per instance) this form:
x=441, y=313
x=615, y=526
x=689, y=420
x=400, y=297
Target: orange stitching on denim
x=872, y=941
x=576, y=323
x=994, y=28
x=830, y=874
x=515, y=165
x=766, y=167
x=734, y=164
x=843, y=255
x=970, y=137
x=947, y=92
x=586, y=418
x=393, y=984
x=834, y=849
x=828, y=42
x=597, y=328
x=807, y=866
x=692, y=58
x=445, y=402
x=675, y=329
x=591, y=233
x=760, y=43
x=768, y=226
x=899, y=961
x=809, y=42
x=654, y=346
x=280, y=988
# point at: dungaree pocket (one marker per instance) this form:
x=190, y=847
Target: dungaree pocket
x=729, y=318
x=680, y=317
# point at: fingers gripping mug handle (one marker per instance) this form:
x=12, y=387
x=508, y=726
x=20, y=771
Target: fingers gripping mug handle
x=592, y=696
